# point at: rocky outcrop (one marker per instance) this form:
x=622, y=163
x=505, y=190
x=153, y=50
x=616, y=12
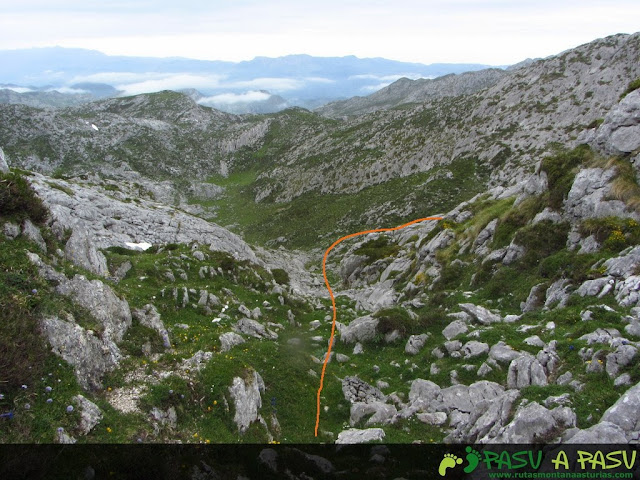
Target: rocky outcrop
x=4, y=167
x=588, y=197
x=229, y=340
x=107, y=221
x=619, y=134
x=625, y=413
x=81, y=251
x=255, y=329
x=356, y=390
x=33, y=233
x=247, y=401
x=415, y=343
x=148, y=316
x=380, y=413
x=480, y=314
x=353, y=435
x=90, y=414
x=534, y=423
x=90, y=356
x=102, y=302
x=362, y=329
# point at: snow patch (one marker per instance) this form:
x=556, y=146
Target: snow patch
x=138, y=246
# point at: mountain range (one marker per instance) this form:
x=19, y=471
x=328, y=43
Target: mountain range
x=239, y=87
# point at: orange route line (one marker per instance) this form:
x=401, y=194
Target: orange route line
x=333, y=300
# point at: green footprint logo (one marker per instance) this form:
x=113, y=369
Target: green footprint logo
x=473, y=457
x=449, y=461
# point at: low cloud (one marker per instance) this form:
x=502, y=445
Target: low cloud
x=319, y=80
x=171, y=82
x=232, y=98
x=68, y=90
x=18, y=89
x=386, y=78
x=135, y=83
x=274, y=84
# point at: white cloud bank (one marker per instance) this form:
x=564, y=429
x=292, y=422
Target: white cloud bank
x=233, y=98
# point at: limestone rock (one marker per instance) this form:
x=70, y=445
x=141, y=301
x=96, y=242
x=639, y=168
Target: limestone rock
x=602, y=433
x=620, y=132
x=593, y=287
x=624, y=379
x=486, y=420
x=484, y=238
x=356, y=390
x=90, y=414
x=362, y=329
x=534, y=423
x=535, y=298
x=415, y=343
x=90, y=357
x=81, y=251
x=4, y=167
x=484, y=370
x=473, y=349
x=149, y=316
x=623, y=266
x=114, y=314
x=622, y=357
x=588, y=196
x=32, y=232
x=353, y=435
x=10, y=230
x=455, y=328
x=381, y=413
x=163, y=419
x=524, y=371
x=625, y=413
x=245, y=393
x=601, y=335
x=626, y=291
x=437, y=419
x=196, y=362
x=229, y=340
x=558, y=294
x=480, y=314
x=255, y=329
x=108, y=222
x=503, y=353
x=64, y=438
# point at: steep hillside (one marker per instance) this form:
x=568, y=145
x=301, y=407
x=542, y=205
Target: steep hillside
x=414, y=91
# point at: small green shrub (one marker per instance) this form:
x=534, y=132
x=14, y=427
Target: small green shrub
x=395, y=318
x=123, y=251
x=18, y=200
x=280, y=276
x=634, y=85
x=561, y=170
x=541, y=240
x=378, y=249
x=613, y=233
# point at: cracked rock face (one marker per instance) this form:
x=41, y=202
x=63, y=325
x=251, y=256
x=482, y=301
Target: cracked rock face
x=90, y=356
x=620, y=131
x=354, y=435
x=359, y=391
x=107, y=222
x=102, y=302
x=245, y=393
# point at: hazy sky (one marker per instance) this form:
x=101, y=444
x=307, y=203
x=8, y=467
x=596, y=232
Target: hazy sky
x=492, y=32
